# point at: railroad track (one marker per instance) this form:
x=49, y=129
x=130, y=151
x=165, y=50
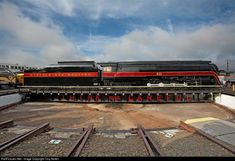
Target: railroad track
x=78, y=146
x=87, y=144
x=10, y=91
x=6, y=124
x=149, y=143
x=191, y=129
x=36, y=131
x=151, y=146
x=9, y=105
x=138, y=94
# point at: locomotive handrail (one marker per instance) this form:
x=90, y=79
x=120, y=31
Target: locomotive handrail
x=100, y=87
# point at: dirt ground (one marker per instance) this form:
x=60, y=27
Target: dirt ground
x=115, y=116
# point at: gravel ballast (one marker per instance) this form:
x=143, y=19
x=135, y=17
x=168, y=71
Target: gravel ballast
x=43, y=145
x=114, y=145
x=184, y=143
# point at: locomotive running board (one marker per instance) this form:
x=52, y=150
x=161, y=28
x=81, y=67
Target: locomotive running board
x=130, y=94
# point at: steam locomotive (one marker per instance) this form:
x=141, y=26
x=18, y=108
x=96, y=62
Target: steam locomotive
x=132, y=73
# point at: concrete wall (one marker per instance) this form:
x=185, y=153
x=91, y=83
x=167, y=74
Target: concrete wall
x=226, y=100
x=10, y=99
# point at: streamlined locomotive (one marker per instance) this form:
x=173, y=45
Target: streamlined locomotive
x=132, y=73
x=141, y=73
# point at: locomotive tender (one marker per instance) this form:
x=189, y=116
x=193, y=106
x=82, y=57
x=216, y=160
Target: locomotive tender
x=132, y=73
x=79, y=73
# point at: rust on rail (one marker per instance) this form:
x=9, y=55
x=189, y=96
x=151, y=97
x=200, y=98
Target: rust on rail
x=192, y=129
x=152, y=147
x=6, y=124
x=30, y=133
x=77, y=147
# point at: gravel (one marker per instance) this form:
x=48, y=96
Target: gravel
x=11, y=132
x=114, y=145
x=40, y=146
x=4, y=136
x=187, y=144
x=117, y=144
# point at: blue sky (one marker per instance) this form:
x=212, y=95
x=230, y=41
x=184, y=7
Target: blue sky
x=41, y=32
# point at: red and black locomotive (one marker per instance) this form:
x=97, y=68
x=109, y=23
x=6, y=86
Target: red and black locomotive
x=132, y=73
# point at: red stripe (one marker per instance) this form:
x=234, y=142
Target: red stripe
x=146, y=74
x=231, y=76
x=123, y=74
x=65, y=74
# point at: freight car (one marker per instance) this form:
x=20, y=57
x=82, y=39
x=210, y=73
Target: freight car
x=141, y=73
x=135, y=73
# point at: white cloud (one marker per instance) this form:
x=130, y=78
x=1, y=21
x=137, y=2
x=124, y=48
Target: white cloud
x=111, y=9
x=44, y=36
x=160, y=10
x=96, y=43
x=214, y=43
x=91, y=9
x=18, y=56
x=211, y=42
x=64, y=7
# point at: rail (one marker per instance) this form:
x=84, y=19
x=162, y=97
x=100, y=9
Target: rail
x=30, y=133
x=117, y=89
x=13, y=91
x=113, y=87
x=200, y=132
x=10, y=91
x=78, y=146
x=6, y=124
x=151, y=146
x=123, y=93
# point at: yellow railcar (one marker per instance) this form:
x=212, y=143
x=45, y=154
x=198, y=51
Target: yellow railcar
x=20, y=79
x=7, y=79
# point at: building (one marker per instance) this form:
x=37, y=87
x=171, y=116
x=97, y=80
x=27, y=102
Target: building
x=17, y=67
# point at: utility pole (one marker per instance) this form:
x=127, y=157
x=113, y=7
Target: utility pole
x=227, y=67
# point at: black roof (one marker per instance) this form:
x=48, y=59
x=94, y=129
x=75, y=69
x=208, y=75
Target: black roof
x=77, y=62
x=159, y=62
